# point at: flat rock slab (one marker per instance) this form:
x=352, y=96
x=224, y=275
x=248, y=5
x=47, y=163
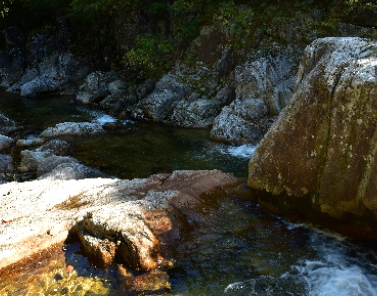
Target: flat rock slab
x=128, y=219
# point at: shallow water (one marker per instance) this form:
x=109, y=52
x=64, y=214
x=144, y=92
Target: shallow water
x=243, y=250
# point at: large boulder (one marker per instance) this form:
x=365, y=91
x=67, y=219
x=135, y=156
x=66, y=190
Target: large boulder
x=127, y=219
x=263, y=87
x=321, y=152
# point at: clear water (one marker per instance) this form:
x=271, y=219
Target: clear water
x=242, y=250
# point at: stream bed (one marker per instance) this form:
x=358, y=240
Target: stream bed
x=243, y=250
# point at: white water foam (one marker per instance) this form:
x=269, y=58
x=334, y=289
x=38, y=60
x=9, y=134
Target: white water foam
x=244, y=151
x=99, y=117
x=102, y=120
x=334, y=272
x=335, y=278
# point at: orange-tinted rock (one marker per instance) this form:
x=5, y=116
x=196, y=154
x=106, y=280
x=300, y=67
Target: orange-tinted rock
x=122, y=219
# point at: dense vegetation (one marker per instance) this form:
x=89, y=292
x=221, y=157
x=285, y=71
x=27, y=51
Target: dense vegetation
x=165, y=29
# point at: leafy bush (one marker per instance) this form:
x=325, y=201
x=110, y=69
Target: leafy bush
x=150, y=57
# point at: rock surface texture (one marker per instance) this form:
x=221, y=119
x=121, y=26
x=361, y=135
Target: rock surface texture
x=44, y=64
x=128, y=219
x=263, y=87
x=323, y=147
x=73, y=129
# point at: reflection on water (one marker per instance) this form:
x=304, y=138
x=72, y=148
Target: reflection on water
x=242, y=250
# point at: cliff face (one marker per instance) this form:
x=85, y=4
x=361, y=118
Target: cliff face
x=323, y=146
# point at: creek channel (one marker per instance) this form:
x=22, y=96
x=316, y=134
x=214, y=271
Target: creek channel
x=243, y=250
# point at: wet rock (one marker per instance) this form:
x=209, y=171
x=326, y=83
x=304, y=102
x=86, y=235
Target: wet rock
x=30, y=160
x=321, y=150
x=110, y=214
x=73, y=129
x=110, y=126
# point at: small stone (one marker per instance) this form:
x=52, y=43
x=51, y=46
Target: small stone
x=69, y=268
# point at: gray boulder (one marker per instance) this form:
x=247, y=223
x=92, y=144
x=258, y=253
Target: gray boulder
x=101, y=85
x=30, y=160
x=51, y=162
x=51, y=74
x=5, y=142
x=56, y=146
x=264, y=86
x=231, y=127
x=69, y=170
x=73, y=129
x=162, y=100
x=200, y=112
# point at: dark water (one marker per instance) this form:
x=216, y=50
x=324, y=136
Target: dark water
x=242, y=250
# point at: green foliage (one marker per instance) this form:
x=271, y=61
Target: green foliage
x=150, y=56
x=157, y=8
x=238, y=19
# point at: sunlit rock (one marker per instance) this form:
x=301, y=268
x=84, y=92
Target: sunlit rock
x=323, y=147
x=127, y=219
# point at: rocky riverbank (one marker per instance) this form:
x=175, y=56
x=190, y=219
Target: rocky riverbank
x=128, y=219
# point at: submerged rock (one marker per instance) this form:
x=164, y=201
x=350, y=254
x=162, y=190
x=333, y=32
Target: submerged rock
x=127, y=219
x=321, y=152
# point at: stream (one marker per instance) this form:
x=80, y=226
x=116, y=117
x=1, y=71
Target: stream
x=243, y=250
